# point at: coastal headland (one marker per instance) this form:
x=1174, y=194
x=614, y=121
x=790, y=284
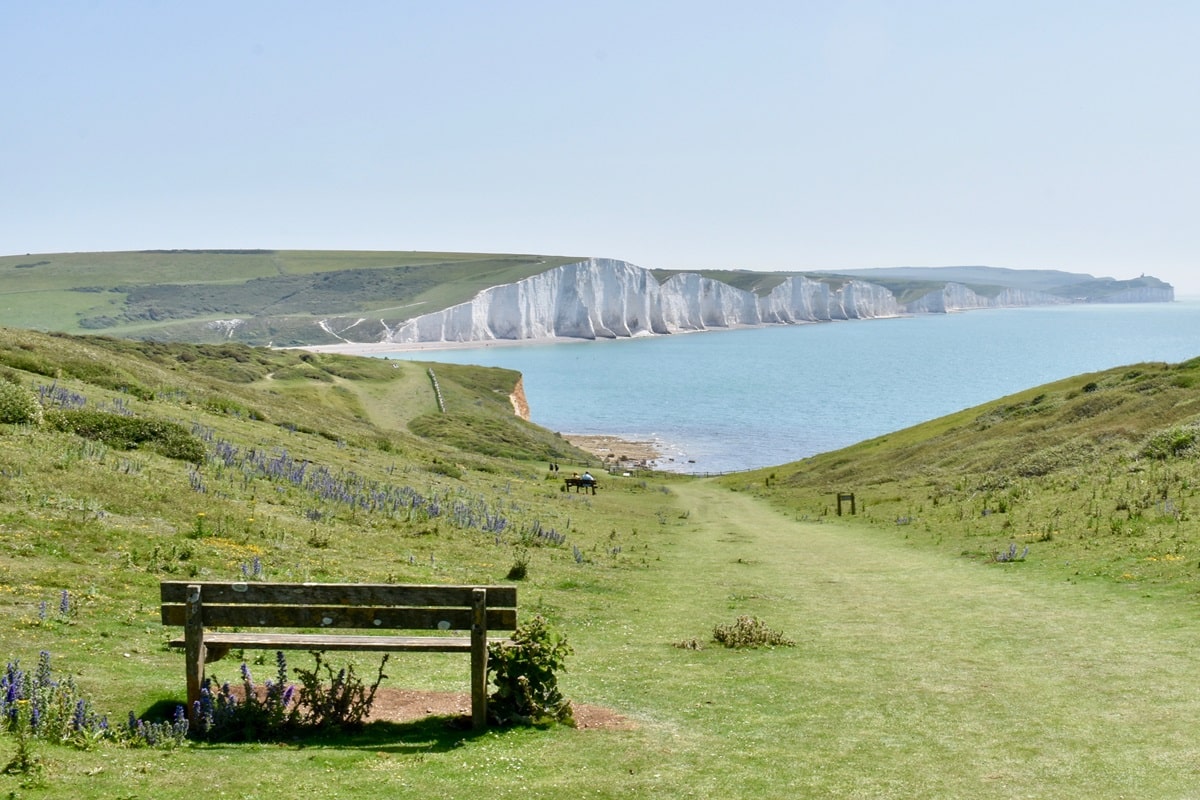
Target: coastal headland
x=612, y=451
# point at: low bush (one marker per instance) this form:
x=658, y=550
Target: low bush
x=251, y=716
x=1172, y=443
x=127, y=433
x=749, y=632
x=18, y=405
x=525, y=674
x=1011, y=554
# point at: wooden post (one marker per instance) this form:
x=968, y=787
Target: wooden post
x=479, y=657
x=193, y=633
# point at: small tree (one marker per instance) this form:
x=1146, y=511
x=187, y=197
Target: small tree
x=524, y=672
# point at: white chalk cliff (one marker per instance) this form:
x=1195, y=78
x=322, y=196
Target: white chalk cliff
x=608, y=299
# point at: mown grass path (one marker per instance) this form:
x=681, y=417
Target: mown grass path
x=913, y=675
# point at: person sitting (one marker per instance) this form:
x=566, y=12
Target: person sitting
x=587, y=477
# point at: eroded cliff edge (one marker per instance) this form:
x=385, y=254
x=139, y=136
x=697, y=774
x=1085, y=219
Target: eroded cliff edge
x=608, y=299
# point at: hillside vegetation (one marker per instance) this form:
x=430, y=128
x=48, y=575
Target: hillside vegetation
x=157, y=459
x=1093, y=476
x=281, y=295
x=923, y=651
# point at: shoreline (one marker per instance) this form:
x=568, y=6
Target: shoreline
x=616, y=451
x=612, y=451
x=375, y=348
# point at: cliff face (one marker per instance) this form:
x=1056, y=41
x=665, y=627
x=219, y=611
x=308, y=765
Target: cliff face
x=595, y=299
x=608, y=299
x=956, y=297
x=1144, y=294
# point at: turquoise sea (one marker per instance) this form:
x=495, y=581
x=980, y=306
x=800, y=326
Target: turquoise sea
x=739, y=399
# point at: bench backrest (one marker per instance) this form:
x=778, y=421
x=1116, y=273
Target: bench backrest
x=338, y=605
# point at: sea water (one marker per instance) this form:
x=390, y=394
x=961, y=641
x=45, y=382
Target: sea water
x=739, y=399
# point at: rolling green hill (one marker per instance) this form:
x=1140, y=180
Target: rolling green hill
x=1098, y=472
x=183, y=294
x=935, y=655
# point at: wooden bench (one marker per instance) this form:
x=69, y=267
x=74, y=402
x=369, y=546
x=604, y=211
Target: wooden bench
x=581, y=483
x=321, y=608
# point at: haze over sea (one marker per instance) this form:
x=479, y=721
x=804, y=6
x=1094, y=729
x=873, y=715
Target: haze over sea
x=740, y=399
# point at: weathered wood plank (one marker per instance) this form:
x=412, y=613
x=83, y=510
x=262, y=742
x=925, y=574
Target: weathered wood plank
x=366, y=594
x=319, y=617
x=305, y=641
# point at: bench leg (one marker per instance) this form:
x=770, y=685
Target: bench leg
x=479, y=656
x=193, y=632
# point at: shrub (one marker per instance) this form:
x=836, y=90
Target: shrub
x=749, y=632
x=444, y=468
x=1173, y=442
x=525, y=674
x=127, y=433
x=18, y=405
x=29, y=363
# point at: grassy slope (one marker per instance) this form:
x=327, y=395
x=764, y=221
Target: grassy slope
x=923, y=666
x=1097, y=474
x=170, y=295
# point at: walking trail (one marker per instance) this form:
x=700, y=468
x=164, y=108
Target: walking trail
x=989, y=673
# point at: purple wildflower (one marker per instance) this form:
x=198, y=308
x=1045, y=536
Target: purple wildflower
x=79, y=718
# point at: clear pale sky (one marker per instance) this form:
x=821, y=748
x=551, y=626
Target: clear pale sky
x=682, y=135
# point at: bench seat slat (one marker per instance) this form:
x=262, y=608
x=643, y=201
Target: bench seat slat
x=305, y=641
x=325, y=617
x=322, y=594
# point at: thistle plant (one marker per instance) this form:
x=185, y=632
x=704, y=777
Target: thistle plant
x=520, y=566
x=343, y=703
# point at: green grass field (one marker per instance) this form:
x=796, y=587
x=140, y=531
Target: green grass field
x=926, y=663
x=280, y=294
